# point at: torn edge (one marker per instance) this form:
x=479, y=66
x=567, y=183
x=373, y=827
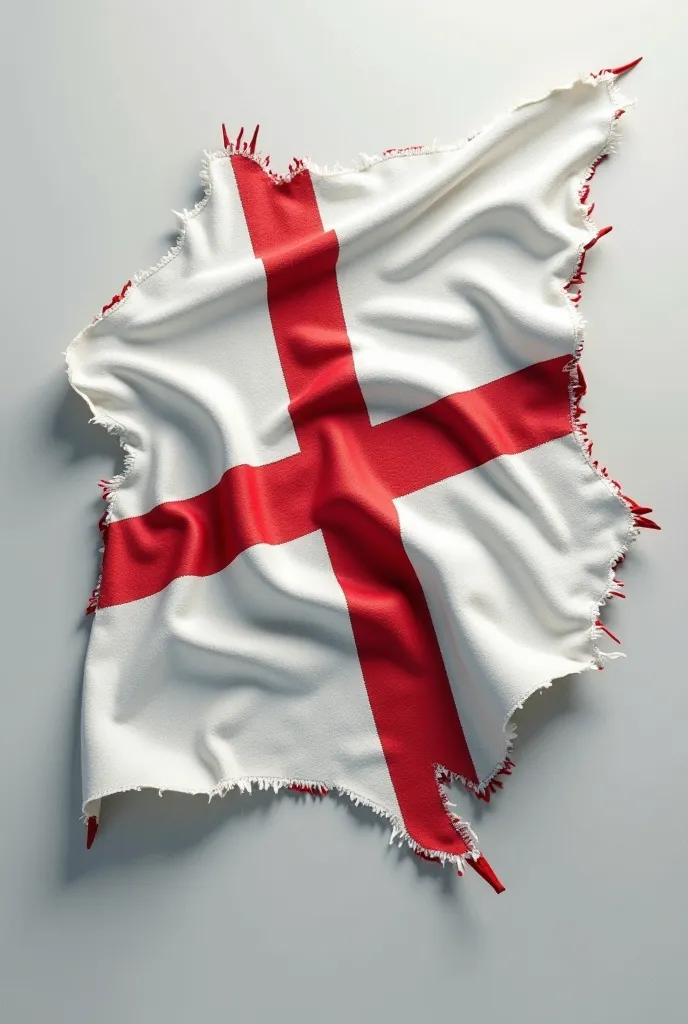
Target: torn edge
x=637, y=515
x=637, y=518
x=399, y=834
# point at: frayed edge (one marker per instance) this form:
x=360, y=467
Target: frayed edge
x=108, y=487
x=488, y=786
x=114, y=300
x=399, y=835
x=637, y=514
x=299, y=165
x=314, y=791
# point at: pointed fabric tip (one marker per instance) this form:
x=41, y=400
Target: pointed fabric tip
x=625, y=67
x=621, y=70
x=609, y=633
x=600, y=234
x=225, y=137
x=91, y=831
x=647, y=524
x=485, y=871
x=254, y=139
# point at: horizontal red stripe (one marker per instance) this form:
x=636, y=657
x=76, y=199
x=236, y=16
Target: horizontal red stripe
x=277, y=502
x=468, y=429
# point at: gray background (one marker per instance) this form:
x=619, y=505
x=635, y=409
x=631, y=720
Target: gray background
x=257, y=909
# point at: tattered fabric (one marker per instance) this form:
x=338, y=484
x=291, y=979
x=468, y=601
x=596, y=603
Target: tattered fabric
x=359, y=521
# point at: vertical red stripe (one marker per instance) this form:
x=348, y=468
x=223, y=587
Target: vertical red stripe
x=402, y=666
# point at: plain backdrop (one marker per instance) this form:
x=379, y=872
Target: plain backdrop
x=261, y=909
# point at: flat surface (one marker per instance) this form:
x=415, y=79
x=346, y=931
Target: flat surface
x=253, y=909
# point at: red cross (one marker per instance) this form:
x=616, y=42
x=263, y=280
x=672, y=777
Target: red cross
x=342, y=482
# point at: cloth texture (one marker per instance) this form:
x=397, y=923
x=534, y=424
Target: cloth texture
x=358, y=522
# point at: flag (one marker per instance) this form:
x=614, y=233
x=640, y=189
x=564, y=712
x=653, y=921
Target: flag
x=359, y=521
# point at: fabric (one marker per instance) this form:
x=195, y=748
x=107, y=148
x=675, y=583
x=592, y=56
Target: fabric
x=359, y=522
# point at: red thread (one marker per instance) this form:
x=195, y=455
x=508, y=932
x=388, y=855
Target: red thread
x=607, y=631
x=594, y=165
x=401, y=149
x=622, y=69
x=427, y=856
x=249, y=149
x=579, y=274
x=645, y=523
x=116, y=298
x=579, y=387
x=494, y=784
x=299, y=787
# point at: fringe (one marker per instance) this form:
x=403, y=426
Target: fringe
x=637, y=514
x=245, y=784
x=318, y=791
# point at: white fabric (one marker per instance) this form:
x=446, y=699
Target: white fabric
x=188, y=367
x=249, y=673
x=451, y=272
x=503, y=633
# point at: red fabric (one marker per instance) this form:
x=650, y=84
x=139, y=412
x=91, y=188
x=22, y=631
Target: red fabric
x=91, y=831
x=485, y=871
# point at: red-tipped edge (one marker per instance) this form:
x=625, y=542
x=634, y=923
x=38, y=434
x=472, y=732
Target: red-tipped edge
x=116, y=298
x=608, y=631
x=621, y=70
x=485, y=871
x=625, y=67
x=254, y=140
x=495, y=783
x=91, y=831
x=298, y=787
